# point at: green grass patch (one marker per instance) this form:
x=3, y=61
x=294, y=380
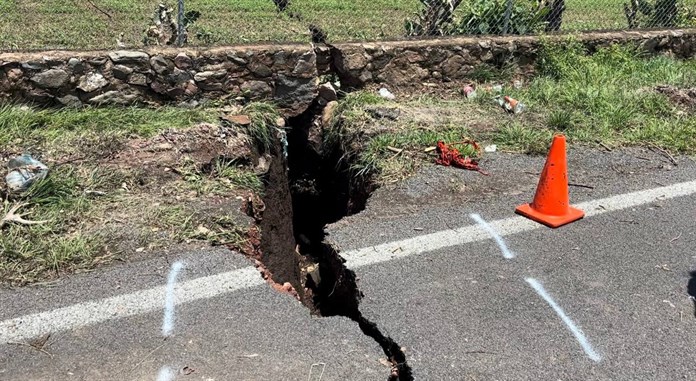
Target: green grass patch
x=264, y=117
x=607, y=98
x=24, y=126
x=70, y=24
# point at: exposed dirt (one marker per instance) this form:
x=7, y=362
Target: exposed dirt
x=278, y=250
x=314, y=187
x=682, y=97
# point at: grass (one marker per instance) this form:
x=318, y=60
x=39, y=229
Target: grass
x=610, y=97
x=35, y=24
x=100, y=204
x=607, y=98
x=263, y=117
x=26, y=128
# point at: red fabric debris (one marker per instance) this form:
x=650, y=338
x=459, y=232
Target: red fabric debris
x=449, y=155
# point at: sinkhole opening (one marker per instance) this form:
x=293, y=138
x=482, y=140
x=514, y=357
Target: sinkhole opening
x=309, y=184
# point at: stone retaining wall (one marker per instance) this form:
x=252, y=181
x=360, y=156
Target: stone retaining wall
x=285, y=74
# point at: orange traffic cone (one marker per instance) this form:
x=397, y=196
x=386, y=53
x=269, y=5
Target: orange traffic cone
x=551, y=201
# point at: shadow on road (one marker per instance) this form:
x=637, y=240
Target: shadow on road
x=691, y=289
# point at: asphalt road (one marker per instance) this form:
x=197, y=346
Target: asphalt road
x=458, y=307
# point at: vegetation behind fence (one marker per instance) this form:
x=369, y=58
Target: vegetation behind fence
x=95, y=24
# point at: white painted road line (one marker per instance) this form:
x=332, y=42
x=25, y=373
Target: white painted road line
x=507, y=254
x=513, y=225
x=168, y=321
x=145, y=301
x=577, y=332
x=121, y=306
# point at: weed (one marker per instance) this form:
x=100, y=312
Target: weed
x=263, y=120
x=560, y=120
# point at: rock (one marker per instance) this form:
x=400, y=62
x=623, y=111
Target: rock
x=70, y=101
x=121, y=72
x=328, y=113
x=51, y=79
x=138, y=79
x=92, y=82
x=161, y=65
x=33, y=65
x=179, y=77
x=210, y=80
x=190, y=88
x=350, y=66
x=76, y=65
x=14, y=75
x=452, y=67
x=260, y=69
x=306, y=67
x=114, y=97
x=39, y=96
x=236, y=59
x=206, y=76
x=182, y=61
x=98, y=61
x=161, y=88
x=242, y=120
x=127, y=56
x=391, y=113
x=295, y=94
x=327, y=92
x=256, y=89
x=352, y=61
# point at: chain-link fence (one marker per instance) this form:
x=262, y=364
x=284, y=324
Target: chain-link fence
x=503, y=17
x=92, y=24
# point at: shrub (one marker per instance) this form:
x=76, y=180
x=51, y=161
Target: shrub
x=502, y=17
x=437, y=18
x=660, y=14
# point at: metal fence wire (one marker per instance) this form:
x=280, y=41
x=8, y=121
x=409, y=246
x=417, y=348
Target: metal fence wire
x=92, y=24
x=520, y=17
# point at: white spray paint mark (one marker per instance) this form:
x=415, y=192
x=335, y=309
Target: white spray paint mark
x=577, y=332
x=165, y=374
x=498, y=239
x=149, y=300
x=168, y=323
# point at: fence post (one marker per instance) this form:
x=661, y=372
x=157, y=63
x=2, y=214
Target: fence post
x=508, y=14
x=180, y=25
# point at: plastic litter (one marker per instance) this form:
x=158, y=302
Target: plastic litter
x=469, y=92
x=386, y=94
x=24, y=171
x=490, y=148
x=449, y=156
x=510, y=105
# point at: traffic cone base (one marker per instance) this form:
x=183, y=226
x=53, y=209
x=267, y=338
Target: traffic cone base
x=573, y=214
x=551, y=205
